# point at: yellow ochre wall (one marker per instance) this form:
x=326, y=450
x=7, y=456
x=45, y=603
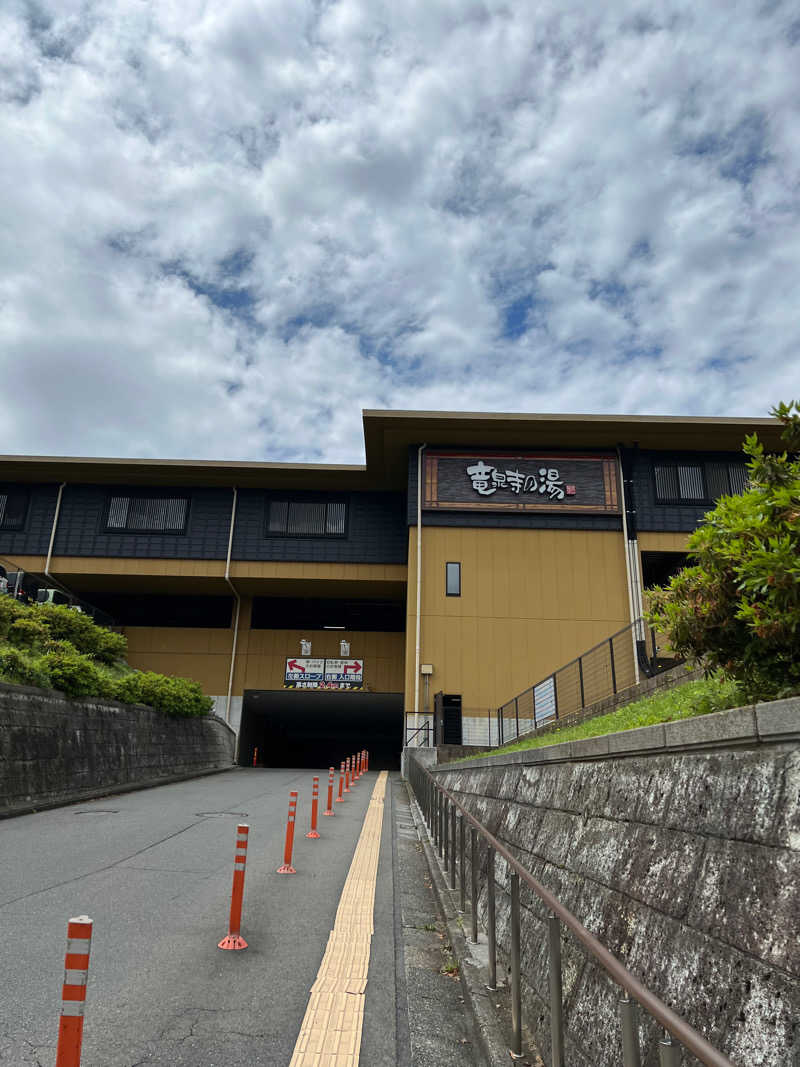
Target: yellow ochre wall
x=531, y=600
x=261, y=654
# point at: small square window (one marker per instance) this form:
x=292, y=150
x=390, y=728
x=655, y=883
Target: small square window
x=453, y=579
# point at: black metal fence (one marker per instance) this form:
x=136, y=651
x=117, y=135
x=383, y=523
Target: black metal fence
x=617, y=663
x=470, y=863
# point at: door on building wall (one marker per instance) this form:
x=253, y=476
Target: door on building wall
x=447, y=719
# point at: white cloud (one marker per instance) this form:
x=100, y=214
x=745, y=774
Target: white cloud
x=228, y=228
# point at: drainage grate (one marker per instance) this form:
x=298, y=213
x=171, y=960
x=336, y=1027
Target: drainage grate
x=220, y=814
x=97, y=811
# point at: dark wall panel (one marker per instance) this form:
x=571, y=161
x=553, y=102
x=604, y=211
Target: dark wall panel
x=376, y=531
x=34, y=538
x=677, y=518
x=81, y=526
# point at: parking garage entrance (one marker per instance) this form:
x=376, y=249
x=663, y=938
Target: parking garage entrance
x=295, y=728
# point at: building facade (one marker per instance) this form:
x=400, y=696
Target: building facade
x=470, y=556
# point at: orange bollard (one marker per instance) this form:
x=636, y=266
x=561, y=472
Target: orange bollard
x=366, y=757
x=347, y=775
x=340, y=798
x=73, y=991
x=352, y=771
x=314, y=805
x=360, y=764
x=234, y=939
x=255, y=756
x=287, y=867
x=329, y=809
x=364, y=760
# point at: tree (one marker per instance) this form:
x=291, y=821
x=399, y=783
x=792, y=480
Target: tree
x=737, y=607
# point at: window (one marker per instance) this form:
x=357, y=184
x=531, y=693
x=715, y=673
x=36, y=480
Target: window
x=136, y=514
x=453, y=579
x=13, y=508
x=307, y=518
x=698, y=483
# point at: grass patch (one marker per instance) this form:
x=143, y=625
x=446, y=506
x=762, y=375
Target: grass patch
x=683, y=702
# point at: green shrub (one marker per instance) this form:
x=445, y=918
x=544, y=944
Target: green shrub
x=173, y=696
x=111, y=647
x=10, y=611
x=67, y=624
x=22, y=669
x=74, y=673
x=28, y=632
x=738, y=606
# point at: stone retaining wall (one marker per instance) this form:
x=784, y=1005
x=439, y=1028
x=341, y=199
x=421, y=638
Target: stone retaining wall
x=677, y=846
x=57, y=751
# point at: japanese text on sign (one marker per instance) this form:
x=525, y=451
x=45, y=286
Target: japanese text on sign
x=487, y=479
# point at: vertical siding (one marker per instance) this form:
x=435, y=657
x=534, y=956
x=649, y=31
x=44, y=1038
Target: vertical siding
x=531, y=600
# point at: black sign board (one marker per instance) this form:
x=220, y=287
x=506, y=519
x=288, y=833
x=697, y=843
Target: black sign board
x=502, y=481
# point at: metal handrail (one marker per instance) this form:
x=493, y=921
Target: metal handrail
x=435, y=814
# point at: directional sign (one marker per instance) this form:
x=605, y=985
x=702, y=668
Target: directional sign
x=344, y=670
x=303, y=669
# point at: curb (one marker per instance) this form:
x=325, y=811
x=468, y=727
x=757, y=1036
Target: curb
x=109, y=790
x=488, y=1028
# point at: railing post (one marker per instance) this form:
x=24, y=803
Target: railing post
x=630, y=1033
x=613, y=666
x=556, y=999
x=473, y=841
x=453, y=848
x=489, y=716
x=462, y=844
x=580, y=676
x=669, y=1052
x=516, y=713
x=516, y=991
x=555, y=694
x=491, y=930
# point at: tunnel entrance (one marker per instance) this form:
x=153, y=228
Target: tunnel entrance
x=292, y=728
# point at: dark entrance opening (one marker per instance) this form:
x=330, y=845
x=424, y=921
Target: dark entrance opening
x=293, y=728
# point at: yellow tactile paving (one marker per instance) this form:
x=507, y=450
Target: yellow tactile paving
x=331, y=1032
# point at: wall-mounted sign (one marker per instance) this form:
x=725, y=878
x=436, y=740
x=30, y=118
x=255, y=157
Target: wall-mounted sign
x=502, y=481
x=303, y=669
x=344, y=670
x=303, y=673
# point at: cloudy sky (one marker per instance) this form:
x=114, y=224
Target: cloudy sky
x=226, y=228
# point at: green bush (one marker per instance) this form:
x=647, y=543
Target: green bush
x=111, y=647
x=74, y=673
x=28, y=632
x=10, y=611
x=22, y=669
x=737, y=607
x=173, y=696
x=66, y=624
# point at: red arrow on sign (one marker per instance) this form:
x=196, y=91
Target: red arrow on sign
x=295, y=666
x=354, y=667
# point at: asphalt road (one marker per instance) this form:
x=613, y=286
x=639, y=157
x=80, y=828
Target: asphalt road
x=153, y=869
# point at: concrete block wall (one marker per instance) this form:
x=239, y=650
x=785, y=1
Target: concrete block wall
x=678, y=846
x=57, y=751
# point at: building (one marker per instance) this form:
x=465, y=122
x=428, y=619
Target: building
x=539, y=537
